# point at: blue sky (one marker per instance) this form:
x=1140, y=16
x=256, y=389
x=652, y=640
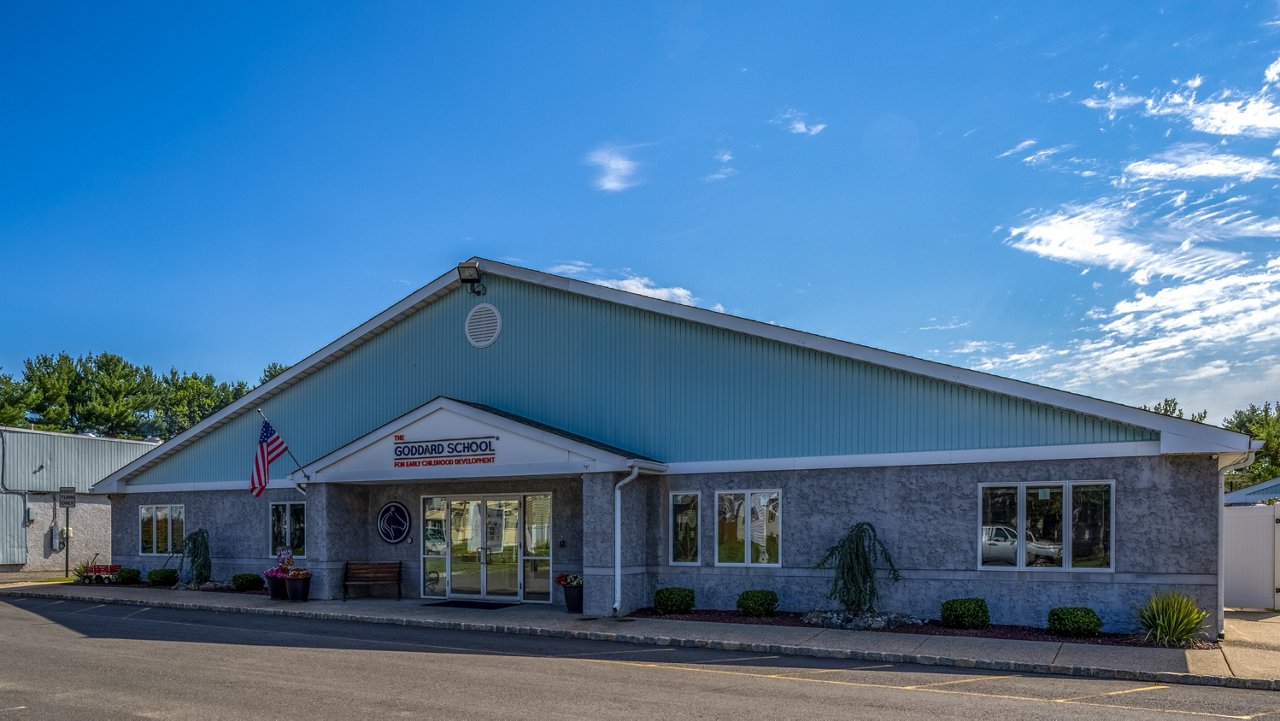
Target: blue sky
x=1079, y=194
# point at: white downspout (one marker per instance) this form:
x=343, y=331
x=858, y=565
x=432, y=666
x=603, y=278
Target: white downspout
x=617, y=536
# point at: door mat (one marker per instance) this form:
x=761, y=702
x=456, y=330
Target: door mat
x=485, y=605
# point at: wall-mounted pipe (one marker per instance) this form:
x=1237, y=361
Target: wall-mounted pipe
x=617, y=536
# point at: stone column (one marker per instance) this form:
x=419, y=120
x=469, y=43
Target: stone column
x=338, y=528
x=597, y=543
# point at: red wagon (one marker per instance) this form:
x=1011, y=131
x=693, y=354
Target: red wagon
x=101, y=574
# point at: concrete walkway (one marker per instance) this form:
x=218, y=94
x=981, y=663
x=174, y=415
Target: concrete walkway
x=1250, y=658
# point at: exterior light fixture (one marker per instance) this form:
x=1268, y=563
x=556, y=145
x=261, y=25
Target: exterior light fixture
x=469, y=274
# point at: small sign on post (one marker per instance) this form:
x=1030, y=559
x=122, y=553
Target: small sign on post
x=67, y=500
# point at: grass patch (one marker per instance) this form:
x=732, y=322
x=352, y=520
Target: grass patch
x=58, y=579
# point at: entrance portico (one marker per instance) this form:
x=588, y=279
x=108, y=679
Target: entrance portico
x=496, y=502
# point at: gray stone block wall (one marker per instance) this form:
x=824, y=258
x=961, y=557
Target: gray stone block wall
x=341, y=526
x=238, y=524
x=928, y=517
x=91, y=526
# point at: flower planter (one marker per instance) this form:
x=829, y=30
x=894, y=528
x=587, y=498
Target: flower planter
x=573, y=599
x=277, y=589
x=299, y=588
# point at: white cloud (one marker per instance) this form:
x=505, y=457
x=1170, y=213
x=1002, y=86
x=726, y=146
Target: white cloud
x=645, y=286
x=1200, y=161
x=723, y=157
x=1194, y=228
x=1018, y=148
x=797, y=122
x=1254, y=115
x=945, y=324
x=1272, y=73
x=617, y=171
x=628, y=281
x=1040, y=157
x=1113, y=102
x=1107, y=234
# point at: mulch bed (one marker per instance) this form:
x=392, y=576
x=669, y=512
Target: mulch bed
x=781, y=618
x=929, y=628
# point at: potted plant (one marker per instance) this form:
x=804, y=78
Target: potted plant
x=278, y=578
x=298, y=584
x=572, y=585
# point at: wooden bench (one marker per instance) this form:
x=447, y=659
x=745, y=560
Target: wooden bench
x=366, y=573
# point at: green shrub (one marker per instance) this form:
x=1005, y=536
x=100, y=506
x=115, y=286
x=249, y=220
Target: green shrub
x=1171, y=619
x=128, y=575
x=1074, y=621
x=965, y=613
x=673, y=600
x=79, y=572
x=757, y=603
x=246, y=582
x=162, y=577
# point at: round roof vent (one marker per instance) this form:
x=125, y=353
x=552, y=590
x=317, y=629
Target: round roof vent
x=483, y=325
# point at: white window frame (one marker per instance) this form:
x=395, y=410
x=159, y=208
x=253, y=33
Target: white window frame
x=1021, y=522
x=746, y=555
x=169, y=520
x=671, y=530
x=288, y=521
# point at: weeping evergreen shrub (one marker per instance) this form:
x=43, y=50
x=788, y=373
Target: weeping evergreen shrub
x=854, y=560
x=195, y=549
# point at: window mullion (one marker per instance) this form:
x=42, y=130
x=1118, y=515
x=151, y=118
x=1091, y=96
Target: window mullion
x=1021, y=528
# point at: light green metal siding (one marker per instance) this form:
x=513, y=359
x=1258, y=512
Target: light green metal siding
x=44, y=462
x=662, y=387
x=35, y=461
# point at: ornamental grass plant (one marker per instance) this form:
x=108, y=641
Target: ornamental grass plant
x=1171, y=618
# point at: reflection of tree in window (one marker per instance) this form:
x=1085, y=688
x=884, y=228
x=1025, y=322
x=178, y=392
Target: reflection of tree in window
x=684, y=528
x=730, y=528
x=1091, y=526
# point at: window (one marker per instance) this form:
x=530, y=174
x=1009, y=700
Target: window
x=160, y=529
x=1054, y=526
x=289, y=528
x=748, y=528
x=684, y=529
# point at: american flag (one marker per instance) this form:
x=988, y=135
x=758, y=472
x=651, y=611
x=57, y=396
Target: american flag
x=270, y=447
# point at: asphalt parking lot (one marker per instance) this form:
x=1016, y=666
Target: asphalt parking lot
x=67, y=659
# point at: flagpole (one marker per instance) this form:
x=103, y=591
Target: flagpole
x=295, y=458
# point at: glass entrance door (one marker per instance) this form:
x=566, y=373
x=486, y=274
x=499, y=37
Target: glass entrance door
x=484, y=547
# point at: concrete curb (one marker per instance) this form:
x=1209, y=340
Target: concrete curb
x=1257, y=684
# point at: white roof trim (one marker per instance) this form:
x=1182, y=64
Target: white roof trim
x=1191, y=437
x=922, y=458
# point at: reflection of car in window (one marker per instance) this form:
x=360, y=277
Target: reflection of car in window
x=1000, y=546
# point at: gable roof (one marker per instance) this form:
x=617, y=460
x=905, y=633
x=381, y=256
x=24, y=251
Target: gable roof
x=1176, y=435
x=527, y=448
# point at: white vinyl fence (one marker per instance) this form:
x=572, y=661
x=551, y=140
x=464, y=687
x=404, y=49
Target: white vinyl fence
x=1251, y=540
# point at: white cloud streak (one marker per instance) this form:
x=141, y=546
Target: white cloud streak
x=617, y=170
x=630, y=282
x=1200, y=161
x=1024, y=145
x=797, y=122
x=1193, y=228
